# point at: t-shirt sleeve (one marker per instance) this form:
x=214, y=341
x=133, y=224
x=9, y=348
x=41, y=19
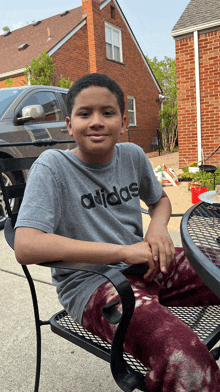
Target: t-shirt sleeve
x=40, y=208
x=150, y=188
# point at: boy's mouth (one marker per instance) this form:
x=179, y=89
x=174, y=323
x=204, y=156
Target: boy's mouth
x=97, y=136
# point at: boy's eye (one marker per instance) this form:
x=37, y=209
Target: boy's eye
x=108, y=113
x=84, y=114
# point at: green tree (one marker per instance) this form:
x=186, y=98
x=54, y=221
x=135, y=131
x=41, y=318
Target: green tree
x=41, y=70
x=165, y=73
x=65, y=83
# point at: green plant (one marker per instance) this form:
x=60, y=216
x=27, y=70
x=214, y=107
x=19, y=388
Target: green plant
x=65, y=83
x=175, y=149
x=8, y=82
x=203, y=177
x=41, y=70
x=194, y=165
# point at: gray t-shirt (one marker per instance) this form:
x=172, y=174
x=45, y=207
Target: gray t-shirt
x=89, y=202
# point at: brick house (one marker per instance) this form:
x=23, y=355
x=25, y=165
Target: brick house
x=197, y=41
x=93, y=38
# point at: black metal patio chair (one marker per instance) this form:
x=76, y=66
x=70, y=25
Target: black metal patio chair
x=127, y=371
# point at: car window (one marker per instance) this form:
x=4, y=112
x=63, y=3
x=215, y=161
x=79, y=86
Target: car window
x=64, y=96
x=50, y=105
x=7, y=96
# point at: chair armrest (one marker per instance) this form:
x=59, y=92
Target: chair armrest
x=118, y=280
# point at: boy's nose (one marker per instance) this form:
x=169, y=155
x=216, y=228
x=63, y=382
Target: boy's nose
x=96, y=120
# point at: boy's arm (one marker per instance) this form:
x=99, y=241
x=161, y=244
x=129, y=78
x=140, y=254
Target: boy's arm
x=157, y=235
x=33, y=246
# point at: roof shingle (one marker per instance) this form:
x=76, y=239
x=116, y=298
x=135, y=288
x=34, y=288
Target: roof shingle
x=198, y=12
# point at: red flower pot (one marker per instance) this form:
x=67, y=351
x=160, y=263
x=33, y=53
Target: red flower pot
x=196, y=192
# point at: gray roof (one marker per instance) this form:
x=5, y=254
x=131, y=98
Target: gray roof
x=198, y=13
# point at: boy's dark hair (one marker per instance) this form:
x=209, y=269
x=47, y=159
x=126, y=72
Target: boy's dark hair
x=98, y=80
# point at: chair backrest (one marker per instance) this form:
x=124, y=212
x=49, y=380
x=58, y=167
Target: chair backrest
x=15, y=191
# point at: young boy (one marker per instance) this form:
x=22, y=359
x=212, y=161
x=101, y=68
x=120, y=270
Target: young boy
x=84, y=206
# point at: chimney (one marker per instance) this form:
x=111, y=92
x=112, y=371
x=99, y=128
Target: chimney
x=91, y=7
x=48, y=33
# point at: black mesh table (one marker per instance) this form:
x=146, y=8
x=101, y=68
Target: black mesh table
x=200, y=233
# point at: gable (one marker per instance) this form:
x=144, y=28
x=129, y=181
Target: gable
x=104, y=3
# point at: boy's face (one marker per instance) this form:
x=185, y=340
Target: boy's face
x=96, y=124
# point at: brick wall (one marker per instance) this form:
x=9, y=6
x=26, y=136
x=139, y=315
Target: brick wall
x=209, y=49
x=72, y=59
x=17, y=81
x=209, y=62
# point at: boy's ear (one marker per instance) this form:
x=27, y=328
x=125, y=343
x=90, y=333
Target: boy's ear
x=123, y=125
x=69, y=126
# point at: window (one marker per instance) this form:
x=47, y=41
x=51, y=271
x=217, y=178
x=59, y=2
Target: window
x=64, y=96
x=113, y=43
x=7, y=97
x=131, y=111
x=49, y=103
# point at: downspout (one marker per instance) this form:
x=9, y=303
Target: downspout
x=162, y=134
x=161, y=99
x=198, y=102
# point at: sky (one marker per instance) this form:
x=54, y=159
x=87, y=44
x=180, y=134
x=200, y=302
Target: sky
x=150, y=21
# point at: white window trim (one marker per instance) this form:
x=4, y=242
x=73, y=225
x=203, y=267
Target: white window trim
x=113, y=27
x=133, y=111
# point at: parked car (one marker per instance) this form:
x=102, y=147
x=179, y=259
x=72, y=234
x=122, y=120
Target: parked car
x=30, y=113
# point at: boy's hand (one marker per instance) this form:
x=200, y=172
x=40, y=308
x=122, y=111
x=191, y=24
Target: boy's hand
x=162, y=248
x=140, y=253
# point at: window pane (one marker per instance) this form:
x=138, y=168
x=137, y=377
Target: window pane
x=7, y=97
x=130, y=104
x=108, y=36
x=115, y=38
x=51, y=109
x=131, y=118
x=116, y=54
x=109, y=51
x=64, y=96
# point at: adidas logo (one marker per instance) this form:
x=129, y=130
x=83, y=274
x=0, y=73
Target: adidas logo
x=114, y=198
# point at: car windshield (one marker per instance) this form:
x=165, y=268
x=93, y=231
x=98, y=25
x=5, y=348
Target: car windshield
x=7, y=96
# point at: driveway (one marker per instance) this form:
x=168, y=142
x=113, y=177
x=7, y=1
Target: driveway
x=179, y=196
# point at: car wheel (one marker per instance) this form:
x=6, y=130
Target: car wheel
x=9, y=179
